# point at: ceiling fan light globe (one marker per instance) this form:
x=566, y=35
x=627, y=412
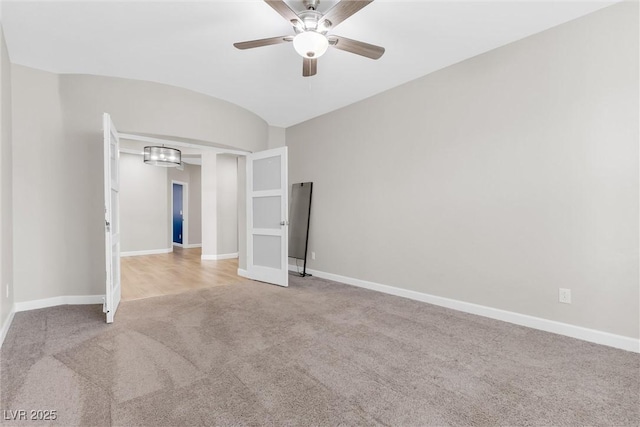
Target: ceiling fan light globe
x=310, y=44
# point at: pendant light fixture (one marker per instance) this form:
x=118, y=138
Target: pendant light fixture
x=162, y=156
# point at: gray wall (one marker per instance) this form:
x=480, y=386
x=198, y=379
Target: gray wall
x=143, y=205
x=227, y=198
x=495, y=181
x=51, y=249
x=190, y=175
x=57, y=137
x=277, y=137
x=6, y=182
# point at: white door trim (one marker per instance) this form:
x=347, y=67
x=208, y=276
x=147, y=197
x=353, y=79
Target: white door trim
x=203, y=146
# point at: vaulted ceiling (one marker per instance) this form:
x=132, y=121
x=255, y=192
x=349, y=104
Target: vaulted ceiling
x=190, y=45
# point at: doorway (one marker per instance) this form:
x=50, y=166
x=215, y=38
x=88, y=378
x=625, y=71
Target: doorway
x=179, y=205
x=176, y=248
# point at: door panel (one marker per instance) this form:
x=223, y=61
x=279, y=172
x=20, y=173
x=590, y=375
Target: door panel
x=266, y=173
x=266, y=251
x=177, y=213
x=266, y=212
x=267, y=225
x=111, y=162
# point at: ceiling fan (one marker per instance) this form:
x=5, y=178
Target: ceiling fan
x=311, y=27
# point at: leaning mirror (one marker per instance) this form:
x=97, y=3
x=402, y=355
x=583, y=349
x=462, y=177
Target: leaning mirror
x=299, y=216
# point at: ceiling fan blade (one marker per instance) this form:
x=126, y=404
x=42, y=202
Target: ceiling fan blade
x=284, y=10
x=309, y=66
x=359, y=48
x=263, y=42
x=343, y=10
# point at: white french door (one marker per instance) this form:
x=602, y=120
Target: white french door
x=267, y=211
x=111, y=217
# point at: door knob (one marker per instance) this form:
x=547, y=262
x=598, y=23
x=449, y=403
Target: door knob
x=281, y=222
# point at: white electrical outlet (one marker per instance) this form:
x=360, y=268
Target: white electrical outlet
x=313, y=255
x=564, y=295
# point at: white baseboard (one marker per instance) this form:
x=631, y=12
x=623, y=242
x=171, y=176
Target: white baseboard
x=243, y=273
x=191, y=246
x=149, y=252
x=579, y=332
x=218, y=257
x=55, y=301
x=7, y=325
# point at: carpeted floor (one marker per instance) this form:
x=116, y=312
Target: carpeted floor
x=318, y=353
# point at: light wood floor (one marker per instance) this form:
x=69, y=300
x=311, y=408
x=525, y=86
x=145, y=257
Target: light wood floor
x=173, y=273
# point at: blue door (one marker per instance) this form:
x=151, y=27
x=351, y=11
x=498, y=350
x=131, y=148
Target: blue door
x=177, y=213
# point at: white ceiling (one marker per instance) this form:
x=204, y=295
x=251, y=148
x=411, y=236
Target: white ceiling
x=189, y=44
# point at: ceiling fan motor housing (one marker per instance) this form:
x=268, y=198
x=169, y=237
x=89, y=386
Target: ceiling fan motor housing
x=311, y=20
x=311, y=4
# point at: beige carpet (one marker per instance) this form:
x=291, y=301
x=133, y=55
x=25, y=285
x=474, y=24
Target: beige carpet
x=317, y=353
